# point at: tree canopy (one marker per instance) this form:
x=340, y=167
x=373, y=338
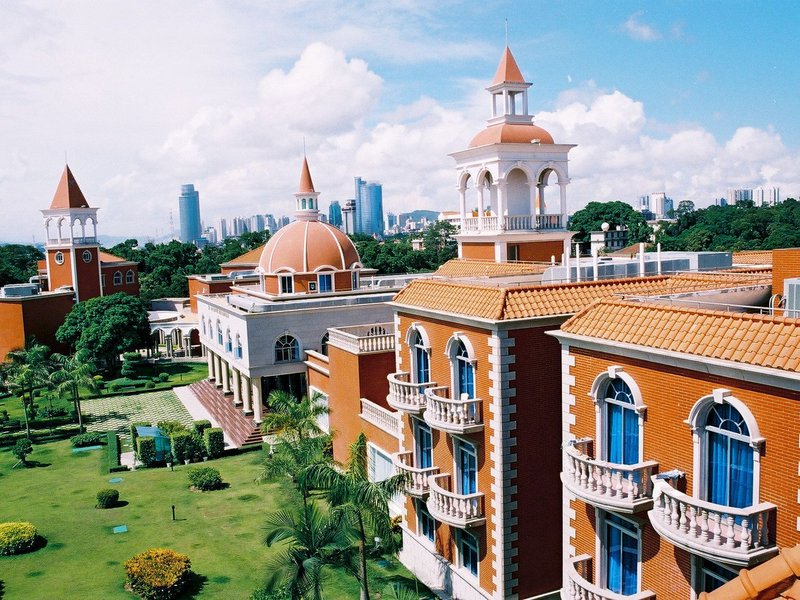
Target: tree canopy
x=105, y=327
x=18, y=263
x=592, y=217
x=397, y=255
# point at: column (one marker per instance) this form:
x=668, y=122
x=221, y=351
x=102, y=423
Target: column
x=462, y=204
x=247, y=396
x=563, y=186
x=501, y=204
x=226, y=378
x=258, y=411
x=210, y=360
x=218, y=371
x=481, y=205
x=237, y=388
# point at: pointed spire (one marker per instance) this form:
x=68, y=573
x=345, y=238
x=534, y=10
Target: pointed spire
x=507, y=70
x=306, y=185
x=68, y=194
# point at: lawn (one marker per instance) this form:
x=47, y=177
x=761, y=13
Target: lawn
x=221, y=531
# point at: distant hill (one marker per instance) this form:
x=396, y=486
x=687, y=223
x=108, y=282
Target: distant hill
x=416, y=215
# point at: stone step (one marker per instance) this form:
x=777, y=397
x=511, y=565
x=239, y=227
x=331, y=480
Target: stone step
x=241, y=429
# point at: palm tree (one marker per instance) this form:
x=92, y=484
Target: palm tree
x=27, y=370
x=315, y=540
x=365, y=503
x=71, y=373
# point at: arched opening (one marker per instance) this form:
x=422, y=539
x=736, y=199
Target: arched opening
x=287, y=349
x=420, y=357
x=518, y=193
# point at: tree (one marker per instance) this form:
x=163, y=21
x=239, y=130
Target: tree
x=18, y=263
x=26, y=371
x=314, y=541
x=439, y=244
x=21, y=449
x=684, y=207
x=592, y=217
x=71, y=373
x=105, y=327
x=363, y=502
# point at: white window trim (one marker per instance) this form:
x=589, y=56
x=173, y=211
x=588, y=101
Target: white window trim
x=284, y=277
x=115, y=278
x=423, y=539
x=333, y=281
x=322, y=398
x=695, y=574
x=426, y=346
x=600, y=551
x=457, y=463
x=130, y=277
x=597, y=393
x=450, y=352
x=462, y=569
x=83, y=256
x=56, y=258
x=416, y=424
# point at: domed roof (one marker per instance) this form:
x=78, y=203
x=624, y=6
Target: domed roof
x=305, y=246
x=511, y=133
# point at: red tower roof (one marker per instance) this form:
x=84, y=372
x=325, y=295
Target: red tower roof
x=306, y=185
x=507, y=70
x=68, y=194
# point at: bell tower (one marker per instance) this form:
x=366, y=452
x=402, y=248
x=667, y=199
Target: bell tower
x=306, y=198
x=72, y=251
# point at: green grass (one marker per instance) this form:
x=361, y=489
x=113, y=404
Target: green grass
x=220, y=531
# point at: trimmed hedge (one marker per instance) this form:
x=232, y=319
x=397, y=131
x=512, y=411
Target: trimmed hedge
x=17, y=537
x=163, y=377
x=200, y=426
x=205, y=479
x=181, y=442
x=114, y=453
x=158, y=574
x=82, y=440
x=146, y=450
x=135, y=435
x=107, y=498
x=214, y=441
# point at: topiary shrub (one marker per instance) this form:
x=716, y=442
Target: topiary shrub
x=168, y=428
x=149, y=385
x=114, y=386
x=157, y=574
x=87, y=439
x=205, y=479
x=214, y=441
x=180, y=443
x=146, y=450
x=17, y=537
x=21, y=449
x=163, y=377
x=107, y=498
x=200, y=426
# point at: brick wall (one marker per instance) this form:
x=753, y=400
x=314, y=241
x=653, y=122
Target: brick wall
x=785, y=265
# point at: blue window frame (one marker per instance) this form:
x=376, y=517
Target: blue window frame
x=325, y=282
x=426, y=523
x=468, y=551
x=711, y=575
x=729, y=457
x=219, y=333
x=238, y=353
x=466, y=372
x=621, y=555
x=422, y=370
x=622, y=424
x=424, y=445
x=467, y=459
x=228, y=342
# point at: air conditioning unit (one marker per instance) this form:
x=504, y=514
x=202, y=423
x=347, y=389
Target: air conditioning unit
x=791, y=296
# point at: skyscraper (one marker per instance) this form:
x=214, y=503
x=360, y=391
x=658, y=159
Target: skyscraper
x=335, y=214
x=189, y=208
x=369, y=207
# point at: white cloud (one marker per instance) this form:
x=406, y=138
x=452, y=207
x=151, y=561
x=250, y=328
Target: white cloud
x=638, y=30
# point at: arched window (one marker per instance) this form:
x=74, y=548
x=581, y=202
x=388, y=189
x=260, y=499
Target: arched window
x=238, y=353
x=129, y=276
x=287, y=349
x=464, y=380
x=324, y=344
x=420, y=359
x=310, y=203
x=228, y=341
x=622, y=424
x=117, y=277
x=219, y=333
x=203, y=323
x=303, y=203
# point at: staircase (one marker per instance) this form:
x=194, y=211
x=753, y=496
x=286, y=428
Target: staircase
x=240, y=429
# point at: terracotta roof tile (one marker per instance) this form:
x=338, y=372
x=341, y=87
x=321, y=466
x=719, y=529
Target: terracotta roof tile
x=110, y=258
x=464, y=267
x=248, y=259
x=754, y=257
x=762, y=340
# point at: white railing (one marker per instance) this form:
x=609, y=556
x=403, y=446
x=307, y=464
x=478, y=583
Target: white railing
x=363, y=339
x=383, y=419
x=548, y=222
x=76, y=240
x=609, y=485
x=739, y=535
x=512, y=223
x=580, y=588
x=458, y=416
x=459, y=510
x=404, y=394
x=518, y=222
x=417, y=483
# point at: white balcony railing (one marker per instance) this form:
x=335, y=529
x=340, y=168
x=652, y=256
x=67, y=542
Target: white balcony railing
x=406, y=395
x=363, y=339
x=458, y=510
x=512, y=223
x=383, y=419
x=624, y=488
x=455, y=416
x=417, y=483
x=580, y=588
x=739, y=536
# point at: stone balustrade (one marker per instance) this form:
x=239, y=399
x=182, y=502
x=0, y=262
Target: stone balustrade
x=740, y=536
x=383, y=419
x=623, y=488
x=417, y=479
x=458, y=510
x=580, y=588
x=406, y=395
x=512, y=223
x=455, y=416
x=363, y=339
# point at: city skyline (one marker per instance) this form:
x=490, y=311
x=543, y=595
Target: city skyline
x=662, y=99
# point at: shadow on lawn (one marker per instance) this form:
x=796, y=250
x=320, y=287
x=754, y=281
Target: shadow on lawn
x=194, y=586
x=2, y=588
x=35, y=464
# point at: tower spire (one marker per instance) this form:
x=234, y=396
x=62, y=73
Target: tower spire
x=306, y=197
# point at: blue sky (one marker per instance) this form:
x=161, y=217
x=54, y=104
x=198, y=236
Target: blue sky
x=684, y=97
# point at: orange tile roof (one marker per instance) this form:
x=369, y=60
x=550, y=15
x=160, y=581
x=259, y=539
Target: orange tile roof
x=496, y=303
x=508, y=70
x=249, y=258
x=753, y=257
x=105, y=257
x=775, y=579
x=761, y=340
x=68, y=193
x=464, y=267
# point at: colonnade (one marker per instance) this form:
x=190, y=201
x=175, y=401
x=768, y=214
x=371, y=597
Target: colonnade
x=246, y=390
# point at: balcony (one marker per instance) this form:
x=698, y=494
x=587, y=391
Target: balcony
x=738, y=536
x=621, y=488
x=363, y=339
x=417, y=482
x=512, y=223
x=458, y=510
x=404, y=394
x=381, y=418
x=454, y=416
x=579, y=587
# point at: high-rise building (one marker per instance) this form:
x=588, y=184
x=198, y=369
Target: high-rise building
x=369, y=207
x=656, y=203
x=222, y=229
x=391, y=220
x=734, y=196
x=766, y=196
x=257, y=223
x=335, y=214
x=189, y=209
x=349, y=217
